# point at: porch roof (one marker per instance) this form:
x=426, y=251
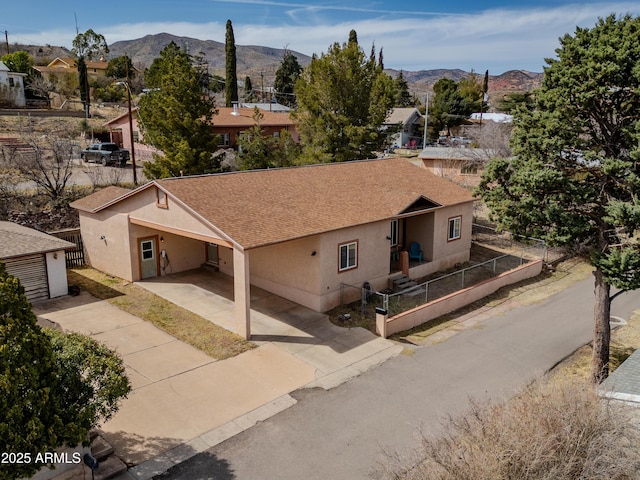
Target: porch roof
x=262, y=207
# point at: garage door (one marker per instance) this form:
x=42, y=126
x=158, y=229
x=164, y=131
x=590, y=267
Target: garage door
x=32, y=273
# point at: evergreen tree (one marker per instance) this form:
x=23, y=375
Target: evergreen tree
x=120, y=67
x=449, y=107
x=54, y=387
x=343, y=99
x=176, y=118
x=287, y=75
x=574, y=180
x=29, y=410
x=266, y=151
x=249, y=95
x=231, y=83
x=403, y=97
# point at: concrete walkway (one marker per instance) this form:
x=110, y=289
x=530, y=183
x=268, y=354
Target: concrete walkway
x=183, y=401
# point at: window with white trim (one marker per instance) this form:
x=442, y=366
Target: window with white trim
x=223, y=139
x=394, y=233
x=348, y=256
x=455, y=228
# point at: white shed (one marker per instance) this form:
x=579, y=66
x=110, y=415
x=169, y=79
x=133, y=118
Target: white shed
x=36, y=259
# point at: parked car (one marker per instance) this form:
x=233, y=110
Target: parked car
x=105, y=153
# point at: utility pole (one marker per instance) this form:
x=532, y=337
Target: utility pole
x=133, y=152
x=6, y=37
x=426, y=121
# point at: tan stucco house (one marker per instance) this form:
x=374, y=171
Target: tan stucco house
x=297, y=232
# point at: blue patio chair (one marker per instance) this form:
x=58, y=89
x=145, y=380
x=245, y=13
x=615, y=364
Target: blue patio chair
x=414, y=252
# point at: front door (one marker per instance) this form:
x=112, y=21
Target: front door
x=212, y=253
x=148, y=260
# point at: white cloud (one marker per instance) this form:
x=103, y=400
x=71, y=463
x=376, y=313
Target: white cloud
x=499, y=39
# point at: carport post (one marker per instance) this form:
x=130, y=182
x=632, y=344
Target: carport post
x=241, y=293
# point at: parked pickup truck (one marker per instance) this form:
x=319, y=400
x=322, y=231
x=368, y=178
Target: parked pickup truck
x=106, y=154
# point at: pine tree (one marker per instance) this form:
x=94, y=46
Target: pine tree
x=286, y=77
x=176, y=117
x=574, y=179
x=231, y=83
x=343, y=99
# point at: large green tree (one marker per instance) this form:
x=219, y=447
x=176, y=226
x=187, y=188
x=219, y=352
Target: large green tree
x=54, y=387
x=231, y=82
x=176, y=117
x=29, y=410
x=343, y=97
x=286, y=77
x=452, y=104
x=574, y=178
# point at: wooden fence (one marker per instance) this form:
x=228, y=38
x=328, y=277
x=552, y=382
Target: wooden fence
x=74, y=256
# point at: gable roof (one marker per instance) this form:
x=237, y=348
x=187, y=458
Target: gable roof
x=261, y=207
x=403, y=115
x=16, y=241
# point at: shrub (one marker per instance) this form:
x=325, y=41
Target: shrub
x=552, y=431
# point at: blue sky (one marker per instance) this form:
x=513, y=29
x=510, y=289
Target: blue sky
x=498, y=35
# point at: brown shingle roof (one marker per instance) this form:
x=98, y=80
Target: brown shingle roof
x=225, y=118
x=99, y=199
x=16, y=240
x=262, y=207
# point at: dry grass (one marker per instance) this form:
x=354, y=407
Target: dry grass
x=553, y=430
x=184, y=325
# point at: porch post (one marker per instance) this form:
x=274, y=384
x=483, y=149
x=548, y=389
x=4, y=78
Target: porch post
x=241, y=293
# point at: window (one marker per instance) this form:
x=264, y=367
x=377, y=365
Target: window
x=348, y=256
x=147, y=250
x=454, y=228
x=469, y=169
x=394, y=233
x=223, y=139
x=161, y=199
x=11, y=82
x=136, y=136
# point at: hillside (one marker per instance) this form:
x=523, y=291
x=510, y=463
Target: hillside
x=260, y=63
x=251, y=60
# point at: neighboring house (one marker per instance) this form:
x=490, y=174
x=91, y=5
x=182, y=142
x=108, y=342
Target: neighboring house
x=463, y=166
x=410, y=121
x=12, y=87
x=229, y=123
x=36, y=259
x=119, y=133
x=66, y=65
x=299, y=232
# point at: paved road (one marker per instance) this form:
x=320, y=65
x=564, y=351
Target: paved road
x=341, y=433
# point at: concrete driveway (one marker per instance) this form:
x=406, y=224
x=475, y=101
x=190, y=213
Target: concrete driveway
x=183, y=401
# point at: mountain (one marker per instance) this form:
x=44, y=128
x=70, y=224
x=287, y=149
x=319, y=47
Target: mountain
x=260, y=63
x=254, y=61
